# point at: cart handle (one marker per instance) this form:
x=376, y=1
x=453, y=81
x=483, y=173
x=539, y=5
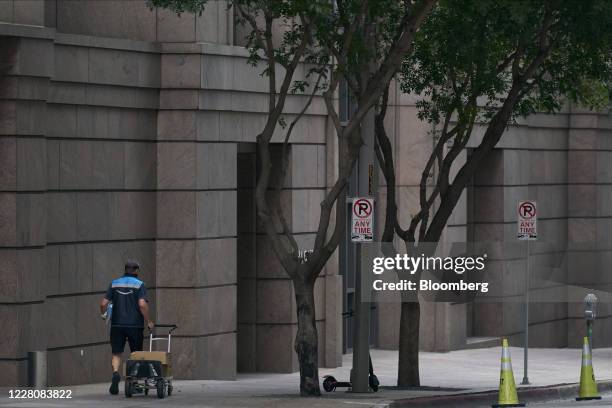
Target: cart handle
x=172, y=327
x=167, y=337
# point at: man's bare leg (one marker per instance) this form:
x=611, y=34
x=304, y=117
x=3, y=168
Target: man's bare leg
x=116, y=362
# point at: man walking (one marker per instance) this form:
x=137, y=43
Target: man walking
x=129, y=312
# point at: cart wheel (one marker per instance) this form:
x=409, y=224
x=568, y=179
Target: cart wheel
x=161, y=388
x=128, y=389
x=170, y=388
x=329, y=383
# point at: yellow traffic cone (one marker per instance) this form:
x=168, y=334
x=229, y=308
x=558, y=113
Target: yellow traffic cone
x=507, y=388
x=588, y=386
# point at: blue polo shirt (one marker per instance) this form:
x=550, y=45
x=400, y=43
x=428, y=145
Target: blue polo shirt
x=125, y=293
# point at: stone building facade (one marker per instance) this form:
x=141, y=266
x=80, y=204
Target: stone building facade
x=127, y=132
x=561, y=161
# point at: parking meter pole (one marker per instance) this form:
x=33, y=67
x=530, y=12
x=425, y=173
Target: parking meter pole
x=590, y=313
x=361, y=339
x=526, y=343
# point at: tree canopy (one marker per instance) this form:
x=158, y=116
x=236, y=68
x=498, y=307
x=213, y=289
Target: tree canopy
x=471, y=49
x=486, y=62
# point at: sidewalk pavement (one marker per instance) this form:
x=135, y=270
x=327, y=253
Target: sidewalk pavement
x=463, y=371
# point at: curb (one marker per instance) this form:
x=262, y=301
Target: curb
x=486, y=398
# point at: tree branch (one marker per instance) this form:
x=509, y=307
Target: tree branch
x=284, y=164
x=271, y=62
x=399, y=48
x=286, y=258
x=384, y=153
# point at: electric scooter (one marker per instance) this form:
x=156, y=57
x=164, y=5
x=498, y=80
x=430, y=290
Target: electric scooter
x=330, y=383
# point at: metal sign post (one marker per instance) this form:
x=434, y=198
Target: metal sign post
x=362, y=233
x=368, y=186
x=526, y=345
x=527, y=231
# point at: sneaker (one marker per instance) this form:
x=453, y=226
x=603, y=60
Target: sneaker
x=114, y=388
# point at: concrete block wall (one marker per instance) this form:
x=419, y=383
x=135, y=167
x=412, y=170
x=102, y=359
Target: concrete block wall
x=31, y=12
x=589, y=240
x=529, y=163
x=101, y=203
x=23, y=233
x=78, y=193
x=247, y=262
x=196, y=228
x=267, y=311
x=132, y=20
x=116, y=148
x=553, y=160
x=558, y=160
x=222, y=103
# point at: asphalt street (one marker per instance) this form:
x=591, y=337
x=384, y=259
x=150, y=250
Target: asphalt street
x=606, y=401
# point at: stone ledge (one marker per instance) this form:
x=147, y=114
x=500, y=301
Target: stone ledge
x=25, y=30
x=107, y=43
x=204, y=48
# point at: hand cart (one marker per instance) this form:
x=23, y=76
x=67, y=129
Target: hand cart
x=146, y=370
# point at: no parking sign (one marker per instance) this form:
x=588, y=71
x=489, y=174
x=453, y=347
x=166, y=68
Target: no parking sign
x=527, y=221
x=362, y=220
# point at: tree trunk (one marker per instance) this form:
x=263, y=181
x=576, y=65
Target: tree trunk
x=408, y=368
x=306, y=340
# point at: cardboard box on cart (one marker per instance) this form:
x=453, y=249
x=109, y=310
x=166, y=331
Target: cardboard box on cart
x=161, y=356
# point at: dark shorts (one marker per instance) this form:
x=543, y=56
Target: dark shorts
x=133, y=335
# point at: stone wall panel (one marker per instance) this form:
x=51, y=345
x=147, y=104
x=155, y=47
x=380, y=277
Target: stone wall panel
x=8, y=163
x=176, y=263
x=8, y=219
x=71, y=64
x=274, y=353
x=216, y=165
x=140, y=166
x=9, y=340
x=107, y=18
x=93, y=216
x=176, y=165
x=216, y=213
x=216, y=261
x=176, y=214
x=217, y=355
x=61, y=216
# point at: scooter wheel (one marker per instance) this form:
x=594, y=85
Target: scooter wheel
x=374, y=383
x=329, y=383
